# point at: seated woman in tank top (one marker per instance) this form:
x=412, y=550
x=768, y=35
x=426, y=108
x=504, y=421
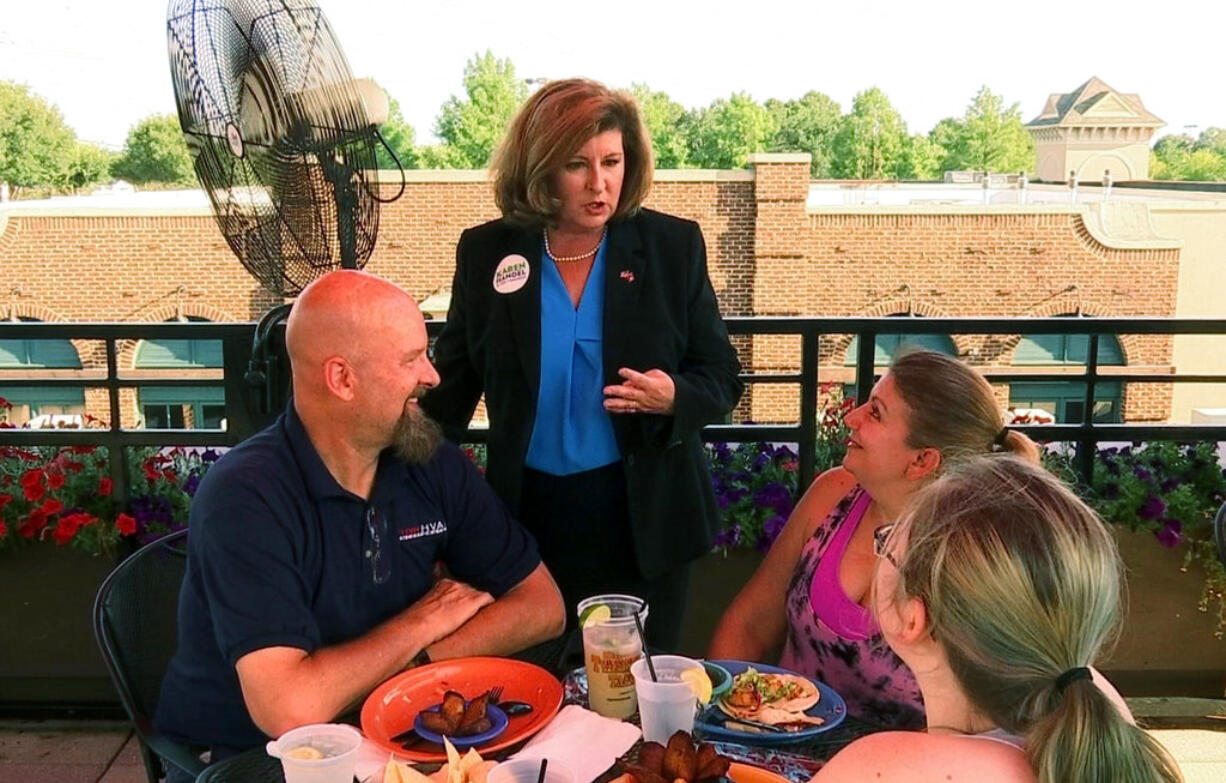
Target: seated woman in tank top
x=811, y=592
x=999, y=587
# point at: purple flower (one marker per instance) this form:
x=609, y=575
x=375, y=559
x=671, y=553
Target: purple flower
x=785, y=453
x=729, y=537
x=1142, y=473
x=1169, y=485
x=192, y=483
x=774, y=495
x=1112, y=467
x=761, y=461
x=773, y=527
x=1152, y=508
x=1111, y=491
x=1170, y=534
x=208, y=455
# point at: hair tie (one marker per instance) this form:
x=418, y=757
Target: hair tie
x=1001, y=437
x=1072, y=675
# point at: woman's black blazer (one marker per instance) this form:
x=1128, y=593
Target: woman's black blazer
x=660, y=312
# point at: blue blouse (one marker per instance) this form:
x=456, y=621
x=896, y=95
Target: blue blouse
x=572, y=432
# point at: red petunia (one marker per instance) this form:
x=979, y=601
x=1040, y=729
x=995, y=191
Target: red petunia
x=4, y=529
x=105, y=485
x=34, y=522
x=34, y=492
x=125, y=524
x=82, y=449
x=72, y=466
x=66, y=529
x=5, y=499
x=32, y=476
x=51, y=506
x=5, y=404
x=170, y=475
x=55, y=479
x=151, y=472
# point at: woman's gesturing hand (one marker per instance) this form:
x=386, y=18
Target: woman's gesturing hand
x=643, y=392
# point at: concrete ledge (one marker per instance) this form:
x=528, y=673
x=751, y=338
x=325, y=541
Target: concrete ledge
x=780, y=157
x=704, y=175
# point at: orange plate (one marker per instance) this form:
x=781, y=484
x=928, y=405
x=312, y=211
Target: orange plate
x=745, y=773
x=391, y=708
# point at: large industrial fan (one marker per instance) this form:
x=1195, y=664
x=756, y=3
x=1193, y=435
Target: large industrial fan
x=283, y=140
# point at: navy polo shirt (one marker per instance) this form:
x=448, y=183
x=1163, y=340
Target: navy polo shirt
x=279, y=554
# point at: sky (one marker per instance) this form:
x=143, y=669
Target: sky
x=104, y=63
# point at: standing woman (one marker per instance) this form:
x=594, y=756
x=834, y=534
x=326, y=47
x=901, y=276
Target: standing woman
x=590, y=325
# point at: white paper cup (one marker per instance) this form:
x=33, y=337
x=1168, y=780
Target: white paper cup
x=337, y=742
x=527, y=770
x=666, y=706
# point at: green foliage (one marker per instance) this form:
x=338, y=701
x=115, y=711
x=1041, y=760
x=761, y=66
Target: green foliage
x=870, y=139
x=155, y=151
x=398, y=134
x=1170, y=489
x=665, y=120
x=920, y=159
x=36, y=146
x=472, y=126
x=988, y=137
x=807, y=124
x=723, y=135
x=1180, y=157
x=85, y=165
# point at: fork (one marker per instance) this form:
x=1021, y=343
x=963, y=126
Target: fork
x=495, y=695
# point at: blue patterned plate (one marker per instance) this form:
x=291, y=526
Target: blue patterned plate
x=830, y=707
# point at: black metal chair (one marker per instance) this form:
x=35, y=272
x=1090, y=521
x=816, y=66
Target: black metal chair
x=135, y=624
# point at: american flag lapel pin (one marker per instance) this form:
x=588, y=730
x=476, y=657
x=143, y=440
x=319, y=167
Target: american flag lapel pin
x=627, y=275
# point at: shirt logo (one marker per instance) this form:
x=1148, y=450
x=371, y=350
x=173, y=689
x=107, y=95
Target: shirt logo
x=435, y=528
x=511, y=274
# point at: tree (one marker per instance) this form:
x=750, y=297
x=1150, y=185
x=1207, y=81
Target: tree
x=155, y=151
x=85, y=165
x=807, y=124
x=988, y=137
x=397, y=134
x=35, y=143
x=1180, y=157
x=665, y=120
x=723, y=135
x=870, y=138
x=474, y=125
x=920, y=159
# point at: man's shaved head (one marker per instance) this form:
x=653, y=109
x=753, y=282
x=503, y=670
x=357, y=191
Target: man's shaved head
x=342, y=314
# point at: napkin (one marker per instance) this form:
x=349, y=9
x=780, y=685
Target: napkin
x=582, y=740
x=371, y=760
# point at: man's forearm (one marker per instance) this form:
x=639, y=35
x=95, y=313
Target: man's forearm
x=530, y=613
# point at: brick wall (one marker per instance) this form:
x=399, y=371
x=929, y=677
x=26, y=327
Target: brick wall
x=768, y=255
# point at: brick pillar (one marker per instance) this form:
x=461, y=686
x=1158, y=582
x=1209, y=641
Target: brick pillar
x=781, y=188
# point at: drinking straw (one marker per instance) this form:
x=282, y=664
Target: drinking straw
x=540, y=778
x=643, y=637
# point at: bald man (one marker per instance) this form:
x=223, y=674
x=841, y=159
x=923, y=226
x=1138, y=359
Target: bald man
x=311, y=558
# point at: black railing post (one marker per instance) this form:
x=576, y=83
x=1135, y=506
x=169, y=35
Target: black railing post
x=116, y=451
x=1087, y=443
x=807, y=441
x=866, y=363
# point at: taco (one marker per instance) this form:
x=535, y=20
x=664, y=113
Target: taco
x=777, y=699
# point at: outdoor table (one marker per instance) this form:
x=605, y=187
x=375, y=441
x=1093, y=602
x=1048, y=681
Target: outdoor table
x=797, y=762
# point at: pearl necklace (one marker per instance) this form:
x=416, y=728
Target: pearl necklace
x=581, y=256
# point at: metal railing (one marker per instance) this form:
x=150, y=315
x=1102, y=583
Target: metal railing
x=246, y=409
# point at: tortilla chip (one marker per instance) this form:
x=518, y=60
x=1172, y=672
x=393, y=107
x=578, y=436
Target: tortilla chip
x=479, y=772
x=399, y=772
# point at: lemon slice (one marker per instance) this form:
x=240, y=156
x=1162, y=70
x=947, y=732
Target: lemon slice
x=305, y=753
x=596, y=614
x=699, y=682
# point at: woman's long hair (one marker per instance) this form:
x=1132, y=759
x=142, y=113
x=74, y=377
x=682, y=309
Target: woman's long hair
x=953, y=409
x=1022, y=582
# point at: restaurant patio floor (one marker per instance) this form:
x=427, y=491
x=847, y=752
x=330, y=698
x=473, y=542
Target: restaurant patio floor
x=60, y=751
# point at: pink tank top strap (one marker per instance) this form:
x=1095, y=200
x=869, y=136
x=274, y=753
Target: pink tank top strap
x=830, y=603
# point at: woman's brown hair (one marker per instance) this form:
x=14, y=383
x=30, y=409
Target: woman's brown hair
x=548, y=130
x=953, y=409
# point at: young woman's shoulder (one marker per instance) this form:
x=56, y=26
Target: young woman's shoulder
x=826, y=491
x=920, y=757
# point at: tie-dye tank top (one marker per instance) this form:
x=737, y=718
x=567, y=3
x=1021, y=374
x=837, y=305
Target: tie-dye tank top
x=833, y=639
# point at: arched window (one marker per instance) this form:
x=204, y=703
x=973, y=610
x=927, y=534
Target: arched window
x=33, y=402
x=181, y=407
x=1066, y=399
